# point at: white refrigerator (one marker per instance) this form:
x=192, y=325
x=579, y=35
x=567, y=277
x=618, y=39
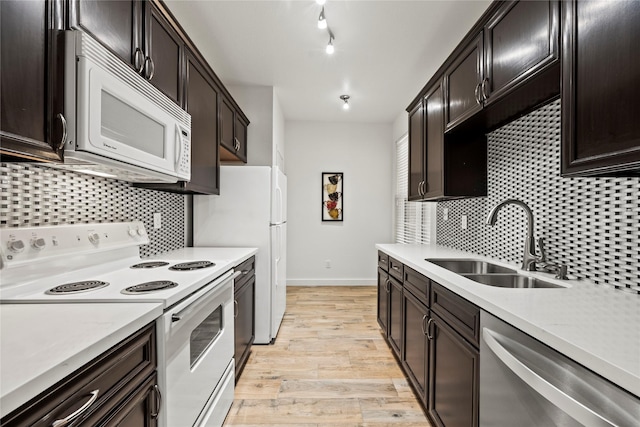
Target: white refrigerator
x=251, y=211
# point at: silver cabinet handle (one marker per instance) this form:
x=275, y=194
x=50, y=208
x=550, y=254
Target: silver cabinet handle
x=149, y=74
x=476, y=92
x=422, y=325
x=64, y=131
x=156, y=389
x=566, y=403
x=429, y=336
x=236, y=143
x=235, y=309
x=484, y=88
x=69, y=418
x=387, y=286
x=138, y=60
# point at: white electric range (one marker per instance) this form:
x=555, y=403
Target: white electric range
x=98, y=263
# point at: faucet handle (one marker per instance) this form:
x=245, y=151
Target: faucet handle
x=542, y=256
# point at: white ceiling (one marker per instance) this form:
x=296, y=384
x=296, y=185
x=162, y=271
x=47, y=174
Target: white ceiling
x=385, y=51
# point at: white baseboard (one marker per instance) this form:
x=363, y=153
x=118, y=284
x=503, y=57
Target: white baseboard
x=332, y=282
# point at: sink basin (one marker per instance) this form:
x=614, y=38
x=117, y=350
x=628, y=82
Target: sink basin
x=510, y=281
x=470, y=266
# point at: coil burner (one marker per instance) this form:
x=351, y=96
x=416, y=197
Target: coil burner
x=76, y=287
x=193, y=265
x=150, y=264
x=147, y=287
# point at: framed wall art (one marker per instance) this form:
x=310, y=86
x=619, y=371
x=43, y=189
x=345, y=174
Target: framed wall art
x=332, y=185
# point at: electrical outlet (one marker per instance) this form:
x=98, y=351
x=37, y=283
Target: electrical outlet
x=463, y=222
x=445, y=214
x=157, y=220
x=327, y=263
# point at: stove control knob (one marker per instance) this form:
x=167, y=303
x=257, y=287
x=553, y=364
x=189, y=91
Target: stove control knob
x=16, y=246
x=142, y=231
x=132, y=232
x=94, y=238
x=38, y=243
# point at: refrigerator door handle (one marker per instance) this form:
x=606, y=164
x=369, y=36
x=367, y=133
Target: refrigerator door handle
x=278, y=219
x=278, y=244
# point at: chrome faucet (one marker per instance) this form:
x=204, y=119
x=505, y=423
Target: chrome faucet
x=530, y=257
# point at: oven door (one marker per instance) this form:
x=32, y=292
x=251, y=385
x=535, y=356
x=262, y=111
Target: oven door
x=198, y=347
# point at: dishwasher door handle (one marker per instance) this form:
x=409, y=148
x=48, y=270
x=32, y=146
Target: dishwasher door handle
x=566, y=403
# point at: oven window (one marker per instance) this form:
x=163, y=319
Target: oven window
x=128, y=126
x=205, y=333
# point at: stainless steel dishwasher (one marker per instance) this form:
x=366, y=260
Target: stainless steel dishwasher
x=525, y=383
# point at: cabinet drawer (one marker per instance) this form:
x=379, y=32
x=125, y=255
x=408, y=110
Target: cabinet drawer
x=383, y=261
x=395, y=268
x=127, y=363
x=463, y=316
x=417, y=284
x=248, y=269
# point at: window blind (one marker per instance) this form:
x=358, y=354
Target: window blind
x=413, y=219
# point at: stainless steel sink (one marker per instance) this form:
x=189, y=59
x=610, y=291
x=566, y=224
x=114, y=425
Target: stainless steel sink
x=470, y=266
x=510, y=281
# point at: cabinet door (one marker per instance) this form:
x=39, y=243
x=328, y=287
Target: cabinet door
x=395, y=316
x=201, y=101
x=383, y=298
x=462, y=81
x=116, y=24
x=415, y=344
x=240, y=132
x=416, y=152
x=520, y=40
x=601, y=88
x=453, y=377
x=31, y=81
x=244, y=323
x=227, y=124
x=165, y=48
x=434, y=111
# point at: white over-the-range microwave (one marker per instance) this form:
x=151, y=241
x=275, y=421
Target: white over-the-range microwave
x=118, y=125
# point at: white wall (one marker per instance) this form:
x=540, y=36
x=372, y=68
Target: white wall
x=361, y=151
x=278, y=134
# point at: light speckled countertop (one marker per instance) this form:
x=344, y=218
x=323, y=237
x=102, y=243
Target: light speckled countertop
x=597, y=326
x=40, y=344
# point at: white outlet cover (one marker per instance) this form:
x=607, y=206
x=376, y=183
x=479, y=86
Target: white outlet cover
x=445, y=214
x=463, y=222
x=157, y=220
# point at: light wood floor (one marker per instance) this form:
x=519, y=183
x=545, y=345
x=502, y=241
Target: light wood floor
x=329, y=366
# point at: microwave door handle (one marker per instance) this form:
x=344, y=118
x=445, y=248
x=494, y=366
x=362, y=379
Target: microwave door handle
x=178, y=150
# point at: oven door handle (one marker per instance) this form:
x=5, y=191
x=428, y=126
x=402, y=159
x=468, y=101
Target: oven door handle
x=566, y=403
x=199, y=298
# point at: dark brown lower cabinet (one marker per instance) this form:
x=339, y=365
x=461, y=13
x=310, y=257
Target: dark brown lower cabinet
x=453, y=377
x=244, y=323
x=118, y=387
x=383, y=300
x=395, y=316
x=415, y=354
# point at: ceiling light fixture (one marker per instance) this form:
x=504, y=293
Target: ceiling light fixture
x=330, y=49
x=322, y=21
x=321, y=2
x=345, y=98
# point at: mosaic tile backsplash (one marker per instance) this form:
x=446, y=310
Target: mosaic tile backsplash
x=34, y=195
x=590, y=224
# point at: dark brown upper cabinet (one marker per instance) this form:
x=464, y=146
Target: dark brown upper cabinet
x=32, y=125
x=416, y=152
x=600, y=88
x=463, y=80
x=166, y=51
x=233, y=133
x=140, y=34
x=443, y=166
x=505, y=68
x=119, y=25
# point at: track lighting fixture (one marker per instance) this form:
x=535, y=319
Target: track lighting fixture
x=345, y=98
x=322, y=21
x=330, y=49
x=321, y=2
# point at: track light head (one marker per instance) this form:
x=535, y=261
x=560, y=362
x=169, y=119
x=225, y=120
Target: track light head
x=322, y=21
x=321, y=2
x=345, y=98
x=330, y=49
